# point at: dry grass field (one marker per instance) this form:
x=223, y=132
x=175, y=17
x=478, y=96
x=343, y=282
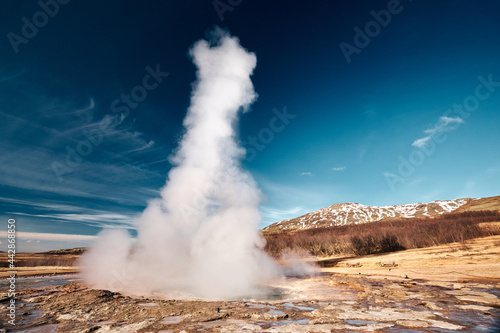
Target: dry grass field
x=28, y=264
x=491, y=203
x=474, y=260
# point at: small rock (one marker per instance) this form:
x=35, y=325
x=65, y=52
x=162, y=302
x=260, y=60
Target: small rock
x=322, y=320
x=412, y=323
x=432, y=306
x=484, y=309
x=171, y=320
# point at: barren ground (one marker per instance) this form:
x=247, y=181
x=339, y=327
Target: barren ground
x=474, y=260
x=452, y=288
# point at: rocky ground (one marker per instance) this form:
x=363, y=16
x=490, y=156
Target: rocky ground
x=453, y=288
x=325, y=303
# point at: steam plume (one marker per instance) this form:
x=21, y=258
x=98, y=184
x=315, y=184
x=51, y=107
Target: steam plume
x=201, y=237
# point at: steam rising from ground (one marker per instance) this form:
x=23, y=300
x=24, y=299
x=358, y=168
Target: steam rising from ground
x=299, y=264
x=201, y=237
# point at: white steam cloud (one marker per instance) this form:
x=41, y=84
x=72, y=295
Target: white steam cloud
x=201, y=238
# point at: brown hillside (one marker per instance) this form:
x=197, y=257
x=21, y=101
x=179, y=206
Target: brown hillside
x=490, y=203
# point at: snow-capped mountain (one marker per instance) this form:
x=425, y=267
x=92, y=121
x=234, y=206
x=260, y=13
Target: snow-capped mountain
x=355, y=213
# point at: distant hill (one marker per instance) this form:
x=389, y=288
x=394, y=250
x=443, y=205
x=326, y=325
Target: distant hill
x=355, y=213
x=490, y=203
x=76, y=250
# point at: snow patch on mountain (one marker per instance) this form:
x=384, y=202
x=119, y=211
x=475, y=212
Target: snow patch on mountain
x=355, y=213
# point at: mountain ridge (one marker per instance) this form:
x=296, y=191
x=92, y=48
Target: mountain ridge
x=355, y=213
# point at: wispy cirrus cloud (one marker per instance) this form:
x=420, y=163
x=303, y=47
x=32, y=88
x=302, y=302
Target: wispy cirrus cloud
x=50, y=236
x=101, y=220
x=493, y=169
x=342, y=168
x=107, y=187
x=72, y=214
x=43, y=134
x=444, y=124
x=307, y=173
x=276, y=214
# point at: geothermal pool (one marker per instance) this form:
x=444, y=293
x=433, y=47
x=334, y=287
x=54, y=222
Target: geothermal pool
x=324, y=303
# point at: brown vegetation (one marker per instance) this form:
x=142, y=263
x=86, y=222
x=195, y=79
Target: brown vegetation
x=386, y=236
x=490, y=203
x=39, y=259
x=76, y=250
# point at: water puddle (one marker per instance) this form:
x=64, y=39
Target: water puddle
x=44, y=282
x=30, y=318
x=298, y=307
x=276, y=313
x=268, y=293
x=360, y=322
x=477, y=320
x=259, y=306
x=286, y=322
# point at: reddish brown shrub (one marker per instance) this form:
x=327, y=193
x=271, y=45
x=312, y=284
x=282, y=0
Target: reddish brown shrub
x=385, y=236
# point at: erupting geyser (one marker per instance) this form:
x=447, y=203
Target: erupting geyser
x=201, y=238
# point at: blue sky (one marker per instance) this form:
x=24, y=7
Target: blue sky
x=382, y=125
